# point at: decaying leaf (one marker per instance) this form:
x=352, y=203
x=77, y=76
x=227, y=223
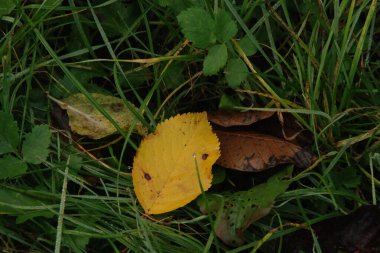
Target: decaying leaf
x=251, y=151
x=86, y=120
x=241, y=209
x=235, y=118
x=166, y=163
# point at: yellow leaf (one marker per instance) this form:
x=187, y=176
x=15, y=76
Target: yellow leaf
x=164, y=169
x=85, y=119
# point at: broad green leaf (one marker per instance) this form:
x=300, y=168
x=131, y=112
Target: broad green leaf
x=35, y=147
x=6, y=6
x=215, y=59
x=198, y=26
x=237, y=72
x=247, y=46
x=241, y=209
x=86, y=120
x=9, y=133
x=11, y=166
x=225, y=27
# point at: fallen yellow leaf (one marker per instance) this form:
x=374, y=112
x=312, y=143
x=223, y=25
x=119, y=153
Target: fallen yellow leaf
x=86, y=120
x=164, y=168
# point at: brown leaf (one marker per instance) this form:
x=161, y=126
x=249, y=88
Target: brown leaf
x=251, y=151
x=235, y=118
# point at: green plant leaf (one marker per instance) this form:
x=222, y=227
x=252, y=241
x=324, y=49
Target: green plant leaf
x=225, y=27
x=198, y=26
x=228, y=102
x=241, y=209
x=247, y=46
x=215, y=59
x=237, y=72
x=7, y=6
x=11, y=166
x=9, y=133
x=35, y=147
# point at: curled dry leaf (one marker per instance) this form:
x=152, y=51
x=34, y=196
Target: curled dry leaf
x=235, y=118
x=167, y=163
x=86, y=120
x=251, y=151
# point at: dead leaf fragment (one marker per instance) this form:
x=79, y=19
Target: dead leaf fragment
x=86, y=120
x=166, y=163
x=235, y=118
x=251, y=151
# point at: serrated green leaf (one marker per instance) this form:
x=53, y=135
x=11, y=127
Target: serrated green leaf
x=241, y=209
x=7, y=6
x=198, y=26
x=35, y=147
x=215, y=59
x=11, y=166
x=9, y=133
x=247, y=46
x=225, y=27
x=237, y=72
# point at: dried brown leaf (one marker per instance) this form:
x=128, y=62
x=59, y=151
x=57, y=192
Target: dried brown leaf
x=235, y=118
x=251, y=151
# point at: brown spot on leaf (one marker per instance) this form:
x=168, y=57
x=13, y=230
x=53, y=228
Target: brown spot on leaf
x=147, y=176
x=116, y=107
x=204, y=156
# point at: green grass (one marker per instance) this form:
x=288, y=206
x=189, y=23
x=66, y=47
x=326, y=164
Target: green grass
x=319, y=61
